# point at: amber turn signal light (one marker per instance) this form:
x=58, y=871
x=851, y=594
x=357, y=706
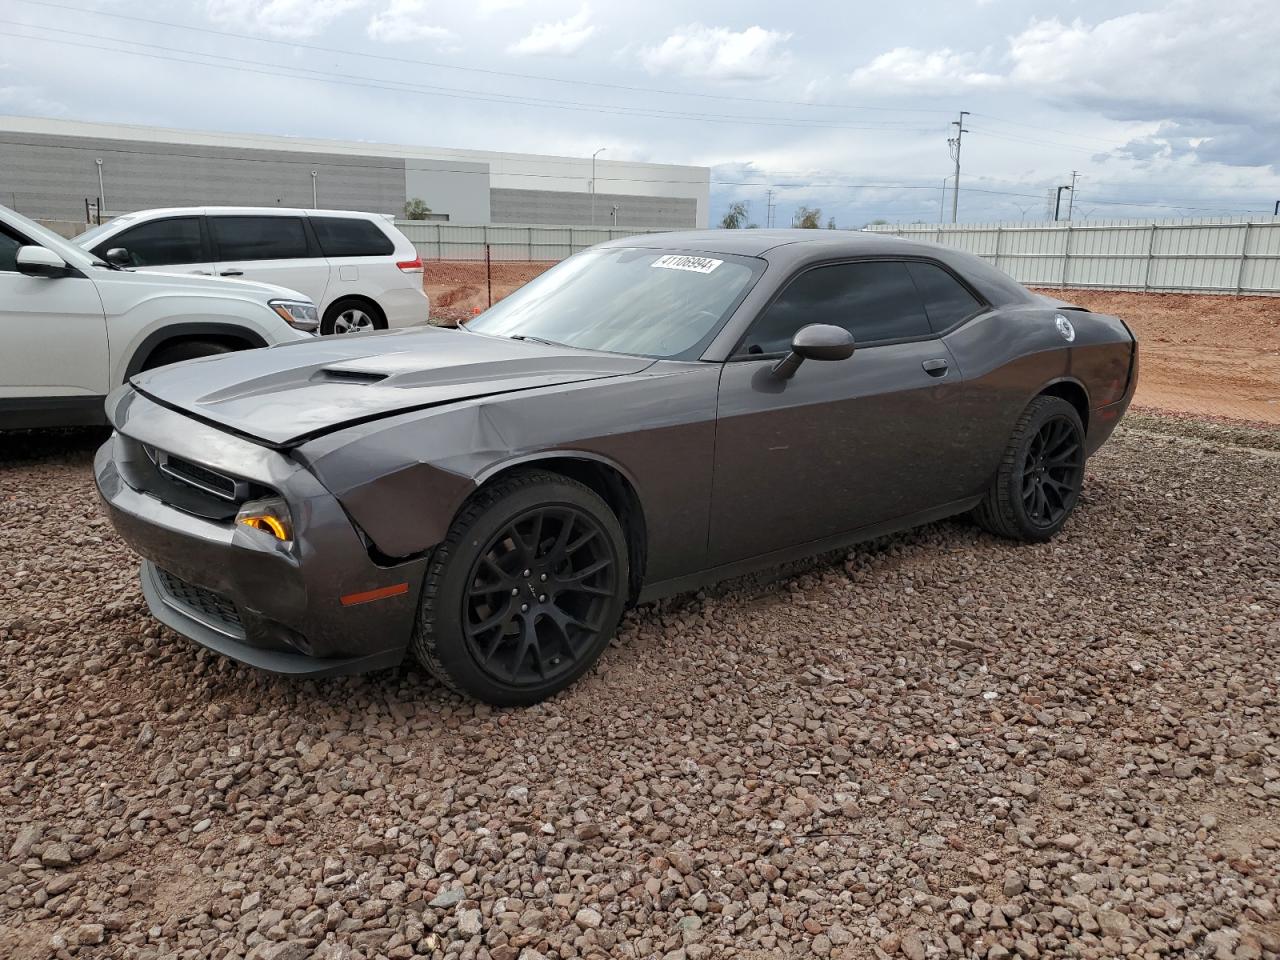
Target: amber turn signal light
x=270, y=516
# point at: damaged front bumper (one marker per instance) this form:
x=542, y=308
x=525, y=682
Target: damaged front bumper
x=316, y=606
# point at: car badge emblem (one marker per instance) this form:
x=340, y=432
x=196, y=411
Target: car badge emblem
x=1065, y=328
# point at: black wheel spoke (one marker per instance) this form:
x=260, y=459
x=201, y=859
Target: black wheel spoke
x=556, y=572
x=1052, y=471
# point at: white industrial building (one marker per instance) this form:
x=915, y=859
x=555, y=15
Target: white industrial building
x=49, y=168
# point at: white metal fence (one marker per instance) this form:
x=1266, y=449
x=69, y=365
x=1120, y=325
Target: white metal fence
x=452, y=241
x=1233, y=255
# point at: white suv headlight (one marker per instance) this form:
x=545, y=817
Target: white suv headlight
x=300, y=314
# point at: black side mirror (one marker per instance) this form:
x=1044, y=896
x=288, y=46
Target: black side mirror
x=817, y=341
x=118, y=256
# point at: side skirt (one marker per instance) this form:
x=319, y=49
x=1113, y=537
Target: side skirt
x=738, y=568
x=26, y=413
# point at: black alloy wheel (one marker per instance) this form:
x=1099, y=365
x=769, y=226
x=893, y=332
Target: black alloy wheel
x=1040, y=475
x=1052, y=471
x=525, y=591
x=539, y=594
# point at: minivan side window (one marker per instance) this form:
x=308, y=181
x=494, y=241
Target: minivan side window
x=945, y=300
x=159, y=243
x=872, y=299
x=259, y=238
x=351, y=237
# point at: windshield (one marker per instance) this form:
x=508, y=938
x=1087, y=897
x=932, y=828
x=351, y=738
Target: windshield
x=87, y=238
x=652, y=303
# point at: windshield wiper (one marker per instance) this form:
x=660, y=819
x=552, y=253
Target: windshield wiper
x=532, y=339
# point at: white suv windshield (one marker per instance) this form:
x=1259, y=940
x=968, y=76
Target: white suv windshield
x=653, y=303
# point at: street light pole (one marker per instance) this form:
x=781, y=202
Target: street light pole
x=315, y=205
x=593, y=183
x=1057, y=203
x=102, y=194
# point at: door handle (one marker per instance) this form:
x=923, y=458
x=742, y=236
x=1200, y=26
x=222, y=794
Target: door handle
x=935, y=368
x=231, y=273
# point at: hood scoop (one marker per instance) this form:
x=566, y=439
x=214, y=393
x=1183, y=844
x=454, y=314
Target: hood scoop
x=338, y=375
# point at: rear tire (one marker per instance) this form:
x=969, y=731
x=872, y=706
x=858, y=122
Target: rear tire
x=525, y=591
x=352, y=315
x=1040, y=474
x=184, y=350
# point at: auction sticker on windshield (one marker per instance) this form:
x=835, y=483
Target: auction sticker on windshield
x=680, y=261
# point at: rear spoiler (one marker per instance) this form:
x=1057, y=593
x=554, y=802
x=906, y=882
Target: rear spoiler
x=1057, y=304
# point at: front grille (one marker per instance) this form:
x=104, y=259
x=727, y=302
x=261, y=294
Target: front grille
x=211, y=609
x=202, y=478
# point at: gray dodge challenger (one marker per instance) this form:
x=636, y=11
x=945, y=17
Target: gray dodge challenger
x=653, y=414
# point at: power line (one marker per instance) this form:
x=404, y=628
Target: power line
x=480, y=70
x=263, y=68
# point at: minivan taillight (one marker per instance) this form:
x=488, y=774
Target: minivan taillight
x=411, y=266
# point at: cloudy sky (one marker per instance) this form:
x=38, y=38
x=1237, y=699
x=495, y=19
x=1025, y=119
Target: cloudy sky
x=1163, y=108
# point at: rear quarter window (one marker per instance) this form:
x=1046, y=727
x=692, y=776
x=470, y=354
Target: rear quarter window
x=946, y=300
x=351, y=237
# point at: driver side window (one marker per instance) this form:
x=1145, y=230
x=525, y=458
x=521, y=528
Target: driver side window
x=9, y=244
x=875, y=300
x=159, y=242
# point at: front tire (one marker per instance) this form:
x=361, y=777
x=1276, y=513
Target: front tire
x=1040, y=475
x=525, y=592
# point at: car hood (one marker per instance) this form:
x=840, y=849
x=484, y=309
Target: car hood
x=198, y=284
x=284, y=395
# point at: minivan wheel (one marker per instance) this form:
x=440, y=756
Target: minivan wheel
x=525, y=592
x=352, y=315
x=1040, y=475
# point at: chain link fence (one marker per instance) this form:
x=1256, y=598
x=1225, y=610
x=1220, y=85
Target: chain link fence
x=452, y=241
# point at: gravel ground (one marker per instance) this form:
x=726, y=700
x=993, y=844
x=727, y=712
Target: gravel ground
x=939, y=744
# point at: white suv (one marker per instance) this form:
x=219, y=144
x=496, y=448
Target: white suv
x=362, y=272
x=73, y=328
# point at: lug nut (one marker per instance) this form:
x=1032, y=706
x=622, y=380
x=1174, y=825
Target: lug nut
x=515, y=591
x=543, y=578
x=525, y=574
x=524, y=608
x=542, y=598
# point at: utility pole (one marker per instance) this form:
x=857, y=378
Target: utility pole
x=102, y=193
x=315, y=203
x=593, y=183
x=942, y=201
x=954, y=144
x=768, y=209
x=1071, y=200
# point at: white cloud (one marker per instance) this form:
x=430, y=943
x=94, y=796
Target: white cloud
x=563, y=38
x=29, y=101
x=488, y=8
x=405, y=21
x=718, y=53
x=282, y=18
x=906, y=69
x=1174, y=59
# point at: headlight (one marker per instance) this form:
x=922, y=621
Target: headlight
x=301, y=314
x=270, y=516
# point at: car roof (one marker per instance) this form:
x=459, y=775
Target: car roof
x=799, y=248
x=242, y=211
